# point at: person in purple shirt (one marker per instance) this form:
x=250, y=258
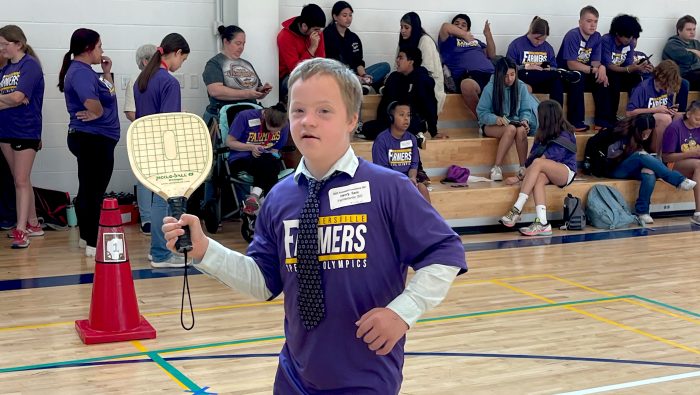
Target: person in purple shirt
x=681, y=150
x=663, y=95
x=552, y=160
x=21, y=100
x=373, y=226
x=581, y=51
x=255, y=138
x=618, y=58
x=536, y=61
x=93, y=130
x=468, y=60
x=397, y=149
x=157, y=92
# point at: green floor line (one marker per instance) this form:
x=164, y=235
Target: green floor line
x=668, y=306
x=174, y=372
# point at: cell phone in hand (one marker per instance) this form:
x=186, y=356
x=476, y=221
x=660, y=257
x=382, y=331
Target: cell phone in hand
x=545, y=65
x=516, y=123
x=640, y=61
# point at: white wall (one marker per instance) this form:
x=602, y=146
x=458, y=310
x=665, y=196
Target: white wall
x=126, y=24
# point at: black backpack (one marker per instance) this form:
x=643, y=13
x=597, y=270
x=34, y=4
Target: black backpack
x=601, y=150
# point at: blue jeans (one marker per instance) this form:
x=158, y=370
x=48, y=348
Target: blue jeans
x=378, y=72
x=159, y=209
x=631, y=168
x=144, y=199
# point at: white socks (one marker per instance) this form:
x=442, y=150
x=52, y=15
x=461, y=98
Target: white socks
x=541, y=211
x=522, y=198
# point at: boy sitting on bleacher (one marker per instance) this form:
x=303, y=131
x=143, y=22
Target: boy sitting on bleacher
x=397, y=149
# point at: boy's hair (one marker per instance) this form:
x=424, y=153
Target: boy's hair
x=349, y=85
x=551, y=121
x=465, y=17
x=391, y=109
x=312, y=15
x=668, y=75
x=413, y=54
x=589, y=9
x=625, y=25
x=539, y=26
x=275, y=116
x=684, y=19
x=692, y=107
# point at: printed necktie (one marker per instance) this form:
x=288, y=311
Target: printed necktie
x=311, y=304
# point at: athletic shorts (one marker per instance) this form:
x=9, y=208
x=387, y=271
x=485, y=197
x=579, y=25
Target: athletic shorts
x=569, y=179
x=22, y=144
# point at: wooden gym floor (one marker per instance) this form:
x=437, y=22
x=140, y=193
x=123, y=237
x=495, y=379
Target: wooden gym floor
x=577, y=313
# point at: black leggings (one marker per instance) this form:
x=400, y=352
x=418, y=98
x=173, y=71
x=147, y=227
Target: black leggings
x=544, y=81
x=95, y=154
x=264, y=170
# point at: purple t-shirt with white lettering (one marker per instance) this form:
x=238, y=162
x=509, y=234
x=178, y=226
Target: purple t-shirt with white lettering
x=461, y=56
x=575, y=47
x=523, y=52
x=162, y=95
x=247, y=128
x=396, y=154
x=679, y=138
x=23, y=121
x=83, y=83
x=619, y=55
x=373, y=227
x=645, y=95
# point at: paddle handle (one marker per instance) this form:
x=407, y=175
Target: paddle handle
x=177, y=208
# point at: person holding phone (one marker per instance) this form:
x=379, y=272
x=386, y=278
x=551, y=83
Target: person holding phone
x=230, y=78
x=505, y=99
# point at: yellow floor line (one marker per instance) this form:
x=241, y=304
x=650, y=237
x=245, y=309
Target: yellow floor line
x=141, y=348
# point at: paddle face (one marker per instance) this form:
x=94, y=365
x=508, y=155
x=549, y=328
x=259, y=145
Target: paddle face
x=171, y=153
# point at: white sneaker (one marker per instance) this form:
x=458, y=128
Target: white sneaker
x=90, y=251
x=82, y=243
x=695, y=219
x=687, y=184
x=646, y=218
x=496, y=173
x=174, y=261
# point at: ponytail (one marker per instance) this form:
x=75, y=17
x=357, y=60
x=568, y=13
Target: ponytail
x=64, y=70
x=82, y=40
x=171, y=43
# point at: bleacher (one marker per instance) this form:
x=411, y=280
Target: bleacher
x=483, y=203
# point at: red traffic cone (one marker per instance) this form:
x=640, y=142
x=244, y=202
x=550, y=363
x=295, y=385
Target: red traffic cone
x=114, y=312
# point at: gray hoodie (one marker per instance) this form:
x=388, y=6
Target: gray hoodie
x=677, y=50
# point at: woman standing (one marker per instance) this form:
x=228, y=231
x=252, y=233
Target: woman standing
x=157, y=92
x=93, y=130
x=21, y=99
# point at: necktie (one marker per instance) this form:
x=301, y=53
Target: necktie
x=311, y=304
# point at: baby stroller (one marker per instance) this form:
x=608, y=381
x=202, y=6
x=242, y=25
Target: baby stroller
x=233, y=186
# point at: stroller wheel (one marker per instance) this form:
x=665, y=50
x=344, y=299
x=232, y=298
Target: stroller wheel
x=211, y=216
x=247, y=227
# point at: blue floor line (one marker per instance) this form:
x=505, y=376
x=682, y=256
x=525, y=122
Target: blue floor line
x=142, y=274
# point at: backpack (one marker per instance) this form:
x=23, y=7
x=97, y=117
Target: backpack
x=574, y=213
x=607, y=209
x=601, y=149
x=51, y=206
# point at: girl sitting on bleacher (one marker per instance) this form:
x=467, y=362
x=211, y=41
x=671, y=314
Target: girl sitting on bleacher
x=552, y=160
x=506, y=111
x=635, y=162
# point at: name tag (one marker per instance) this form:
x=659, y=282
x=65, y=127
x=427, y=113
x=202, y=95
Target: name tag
x=254, y=122
x=407, y=144
x=350, y=195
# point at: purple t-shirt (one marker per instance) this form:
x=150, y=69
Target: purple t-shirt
x=23, y=121
x=366, y=248
x=162, y=95
x=679, y=138
x=575, y=47
x=619, y=55
x=645, y=95
x=247, y=128
x=523, y=52
x=83, y=83
x=461, y=56
x=558, y=153
x=396, y=154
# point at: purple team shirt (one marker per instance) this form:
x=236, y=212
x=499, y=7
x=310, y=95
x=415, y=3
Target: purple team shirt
x=558, y=153
x=247, y=128
x=83, y=83
x=679, y=138
x=462, y=56
x=645, y=95
x=23, y=121
x=575, y=47
x=523, y=52
x=366, y=247
x=619, y=55
x=396, y=154
x=161, y=95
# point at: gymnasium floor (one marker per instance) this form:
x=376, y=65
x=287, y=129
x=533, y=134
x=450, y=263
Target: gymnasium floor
x=576, y=313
